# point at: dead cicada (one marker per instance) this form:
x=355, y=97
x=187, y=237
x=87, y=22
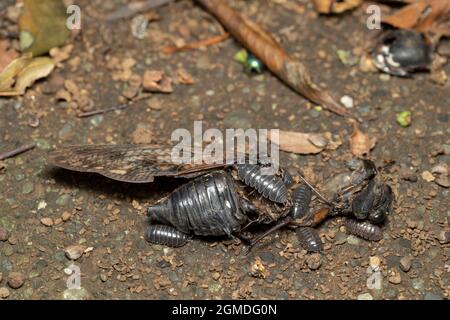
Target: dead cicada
x=218, y=200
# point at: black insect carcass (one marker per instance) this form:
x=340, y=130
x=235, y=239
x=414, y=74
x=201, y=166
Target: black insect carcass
x=221, y=200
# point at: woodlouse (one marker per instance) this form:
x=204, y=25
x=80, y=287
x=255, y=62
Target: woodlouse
x=309, y=239
x=301, y=198
x=271, y=187
x=364, y=229
x=165, y=235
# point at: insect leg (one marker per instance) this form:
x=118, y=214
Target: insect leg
x=283, y=222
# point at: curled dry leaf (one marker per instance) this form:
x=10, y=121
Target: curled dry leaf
x=335, y=6
x=22, y=73
x=422, y=15
x=301, y=143
x=157, y=81
x=360, y=143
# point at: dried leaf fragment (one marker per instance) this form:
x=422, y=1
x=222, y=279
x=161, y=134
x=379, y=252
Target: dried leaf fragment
x=22, y=73
x=157, y=81
x=360, y=143
x=302, y=143
x=335, y=6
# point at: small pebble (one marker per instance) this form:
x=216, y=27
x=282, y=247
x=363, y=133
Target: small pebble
x=432, y=296
x=314, y=261
x=4, y=234
x=66, y=216
x=395, y=277
x=374, y=261
x=216, y=275
x=48, y=222
x=74, y=252
x=347, y=101
x=15, y=280
x=4, y=293
x=354, y=241
x=365, y=296
x=405, y=264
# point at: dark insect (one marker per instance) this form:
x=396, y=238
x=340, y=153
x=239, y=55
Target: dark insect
x=207, y=206
x=165, y=235
x=364, y=229
x=217, y=200
x=301, y=198
x=271, y=187
x=309, y=239
x=402, y=52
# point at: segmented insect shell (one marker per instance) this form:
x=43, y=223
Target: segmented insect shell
x=208, y=206
x=309, y=239
x=301, y=198
x=364, y=229
x=287, y=179
x=165, y=235
x=271, y=187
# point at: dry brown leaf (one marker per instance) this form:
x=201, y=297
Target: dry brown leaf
x=157, y=81
x=38, y=68
x=301, y=143
x=335, y=6
x=184, y=77
x=360, y=143
x=23, y=72
x=422, y=15
x=7, y=76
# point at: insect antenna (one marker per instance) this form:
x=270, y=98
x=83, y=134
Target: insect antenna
x=316, y=191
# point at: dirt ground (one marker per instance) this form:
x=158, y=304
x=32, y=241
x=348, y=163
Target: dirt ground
x=108, y=217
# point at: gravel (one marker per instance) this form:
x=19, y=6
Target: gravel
x=15, y=280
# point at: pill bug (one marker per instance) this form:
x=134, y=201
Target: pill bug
x=301, y=198
x=287, y=178
x=208, y=205
x=364, y=229
x=309, y=239
x=165, y=235
x=271, y=187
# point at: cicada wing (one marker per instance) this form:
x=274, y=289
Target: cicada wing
x=127, y=163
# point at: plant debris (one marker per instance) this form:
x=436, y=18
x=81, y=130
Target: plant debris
x=302, y=143
x=266, y=48
x=157, y=81
x=360, y=143
x=335, y=6
x=43, y=26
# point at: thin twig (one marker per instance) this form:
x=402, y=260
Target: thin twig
x=101, y=111
x=15, y=152
x=198, y=44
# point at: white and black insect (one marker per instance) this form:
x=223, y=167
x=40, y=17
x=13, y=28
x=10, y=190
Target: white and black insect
x=218, y=200
x=401, y=52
